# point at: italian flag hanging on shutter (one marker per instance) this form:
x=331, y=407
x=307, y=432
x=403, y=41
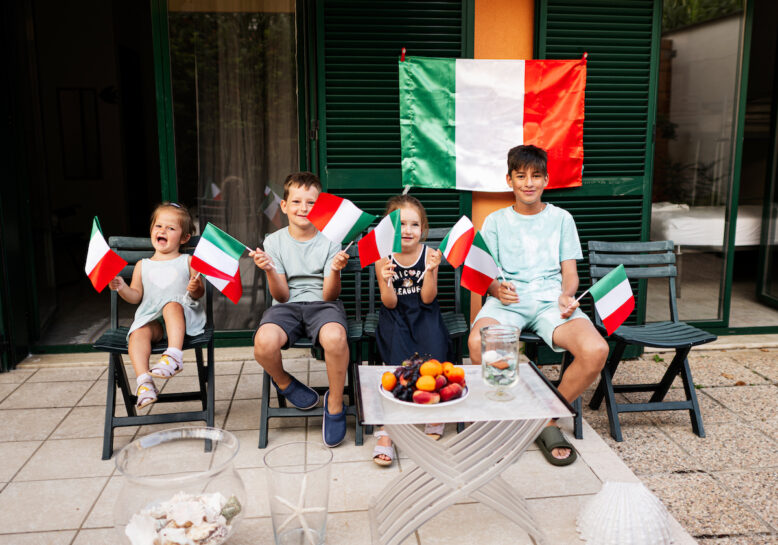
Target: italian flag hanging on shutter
x=459, y=118
x=480, y=268
x=338, y=219
x=613, y=298
x=381, y=241
x=457, y=242
x=102, y=263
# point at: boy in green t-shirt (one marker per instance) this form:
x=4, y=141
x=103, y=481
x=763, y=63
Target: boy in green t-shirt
x=536, y=245
x=303, y=274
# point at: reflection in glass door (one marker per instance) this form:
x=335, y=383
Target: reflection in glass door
x=767, y=290
x=696, y=113
x=234, y=88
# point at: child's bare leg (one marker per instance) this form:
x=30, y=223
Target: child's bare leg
x=474, y=340
x=139, y=346
x=267, y=351
x=332, y=338
x=175, y=324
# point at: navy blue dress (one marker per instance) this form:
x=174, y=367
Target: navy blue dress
x=411, y=326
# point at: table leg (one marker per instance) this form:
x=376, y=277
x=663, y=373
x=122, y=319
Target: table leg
x=474, y=460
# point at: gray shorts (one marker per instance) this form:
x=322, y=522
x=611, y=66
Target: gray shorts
x=304, y=319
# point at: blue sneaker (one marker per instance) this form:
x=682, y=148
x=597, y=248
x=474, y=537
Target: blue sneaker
x=298, y=394
x=333, y=426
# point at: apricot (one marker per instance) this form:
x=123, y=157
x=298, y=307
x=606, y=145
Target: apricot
x=425, y=383
x=388, y=381
x=431, y=368
x=425, y=398
x=457, y=374
x=447, y=367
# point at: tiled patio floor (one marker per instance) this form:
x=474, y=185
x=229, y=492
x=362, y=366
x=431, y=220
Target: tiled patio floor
x=723, y=489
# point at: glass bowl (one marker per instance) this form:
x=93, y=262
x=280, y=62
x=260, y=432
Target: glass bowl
x=179, y=485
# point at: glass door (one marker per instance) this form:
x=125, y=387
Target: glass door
x=233, y=73
x=767, y=286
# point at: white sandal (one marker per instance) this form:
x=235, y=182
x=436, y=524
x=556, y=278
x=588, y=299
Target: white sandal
x=380, y=449
x=166, y=367
x=147, y=394
x=434, y=431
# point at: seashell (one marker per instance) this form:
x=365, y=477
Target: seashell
x=231, y=509
x=187, y=513
x=201, y=532
x=624, y=514
x=141, y=530
x=213, y=504
x=491, y=355
x=174, y=536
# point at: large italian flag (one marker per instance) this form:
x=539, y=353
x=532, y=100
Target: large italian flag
x=613, y=298
x=459, y=118
x=338, y=219
x=217, y=254
x=457, y=242
x=381, y=241
x=480, y=268
x=102, y=263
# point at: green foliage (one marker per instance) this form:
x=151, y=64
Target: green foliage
x=658, y=359
x=681, y=13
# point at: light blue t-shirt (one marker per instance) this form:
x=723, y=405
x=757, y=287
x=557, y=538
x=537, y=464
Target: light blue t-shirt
x=304, y=262
x=530, y=249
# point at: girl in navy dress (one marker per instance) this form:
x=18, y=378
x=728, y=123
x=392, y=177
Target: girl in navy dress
x=409, y=319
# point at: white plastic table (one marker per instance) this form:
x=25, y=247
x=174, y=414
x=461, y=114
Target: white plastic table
x=500, y=432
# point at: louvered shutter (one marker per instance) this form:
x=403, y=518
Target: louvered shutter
x=359, y=111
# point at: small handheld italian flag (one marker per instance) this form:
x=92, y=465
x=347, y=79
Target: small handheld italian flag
x=338, y=219
x=613, y=298
x=102, y=263
x=458, y=241
x=217, y=256
x=480, y=268
x=381, y=241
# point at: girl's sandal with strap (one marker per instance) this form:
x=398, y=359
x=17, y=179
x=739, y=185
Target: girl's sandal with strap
x=386, y=451
x=166, y=367
x=434, y=431
x=147, y=394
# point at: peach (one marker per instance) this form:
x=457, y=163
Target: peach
x=425, y=398
x=452, y=391
x=440, y=382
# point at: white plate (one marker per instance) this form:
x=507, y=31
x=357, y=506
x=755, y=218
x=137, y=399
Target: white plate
x=390, y=397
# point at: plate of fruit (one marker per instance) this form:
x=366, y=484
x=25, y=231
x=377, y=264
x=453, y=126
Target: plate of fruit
x=424, y=382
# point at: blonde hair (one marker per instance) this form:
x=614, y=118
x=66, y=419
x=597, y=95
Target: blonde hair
x=399, y=201
x=184, y=217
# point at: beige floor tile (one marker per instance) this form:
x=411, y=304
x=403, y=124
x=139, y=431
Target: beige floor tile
x=647, y=451
x=29, y=424
x=255, y=481
x=757, y=489
x=726, y=447
x=702, y=505
x=752, y=403
x=721, y=370
x=225, y=385
x=101, y=514
x=532, y=468
x=6, y=389
x=354, y=483
x=38, y=538
x=67, y=374
x=16, y=376
x=644, y=370
x=347, y=451
x=66, y=504
x=95, y=396
x=353, y=528
x=764, y=362
x=249, y=386
x=97, y=536
x=66, y=458
x=32, y=395
x=250, y=455
x=244, y=415
x=752, y=539
x=219, y=415
x=14, y=455
x=253, y=531
x=770, y=427
x=84, y=422
x=712, y=411
x=227, y=367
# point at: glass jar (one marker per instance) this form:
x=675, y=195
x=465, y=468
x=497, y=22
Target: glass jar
x=179, y=484
x=500, y=360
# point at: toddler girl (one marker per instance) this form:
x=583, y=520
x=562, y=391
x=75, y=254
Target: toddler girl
x=409, y=319
x=168, y=291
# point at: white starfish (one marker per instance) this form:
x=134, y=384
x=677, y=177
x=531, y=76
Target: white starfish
x=299, y=511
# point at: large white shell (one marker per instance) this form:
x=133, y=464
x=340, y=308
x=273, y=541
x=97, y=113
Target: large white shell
x=624, y=514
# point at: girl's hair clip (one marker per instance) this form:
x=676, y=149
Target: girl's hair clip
x=170, y=203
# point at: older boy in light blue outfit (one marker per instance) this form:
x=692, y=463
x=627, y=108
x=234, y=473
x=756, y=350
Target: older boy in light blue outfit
x=537, y=245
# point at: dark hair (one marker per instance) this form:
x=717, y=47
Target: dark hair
x=304, y=179
x=527, y=156
x=184, y=217
x=398, y=201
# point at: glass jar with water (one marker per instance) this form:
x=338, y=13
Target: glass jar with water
x=500, y=360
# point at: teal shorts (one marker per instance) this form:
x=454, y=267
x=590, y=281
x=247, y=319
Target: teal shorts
x=542, y=317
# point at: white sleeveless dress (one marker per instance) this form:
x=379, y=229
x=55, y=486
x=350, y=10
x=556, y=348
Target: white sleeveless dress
x=163, y=282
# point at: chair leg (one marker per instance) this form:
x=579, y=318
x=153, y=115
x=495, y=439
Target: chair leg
x=611, y=364
x=263, y=411
x=673, y=370
x=202, y=378
x=128, y=394
x=110, y=407
x=578, y=418
x=691, y=395
x=352, y=382
x=610, y=404
x=211, y=386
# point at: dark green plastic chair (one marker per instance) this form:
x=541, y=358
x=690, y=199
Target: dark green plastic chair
x=354, y=336
x=114, y=341
x=643, y=260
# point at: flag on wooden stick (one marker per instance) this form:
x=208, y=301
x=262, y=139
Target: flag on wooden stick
x=613, y=298
x=102, y=263
x=338, y=219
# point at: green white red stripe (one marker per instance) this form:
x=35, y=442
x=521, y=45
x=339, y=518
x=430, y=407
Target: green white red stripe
x=480, y=268
x=102, y=263
x=338, y=219
x=381, y=241
x=613, y=298
x=458, y=241
x=232, y=289
x=217, y=253
x=459, y=118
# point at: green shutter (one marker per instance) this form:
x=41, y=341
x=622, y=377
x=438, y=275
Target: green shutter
x=358, y=46
x=621, y=39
